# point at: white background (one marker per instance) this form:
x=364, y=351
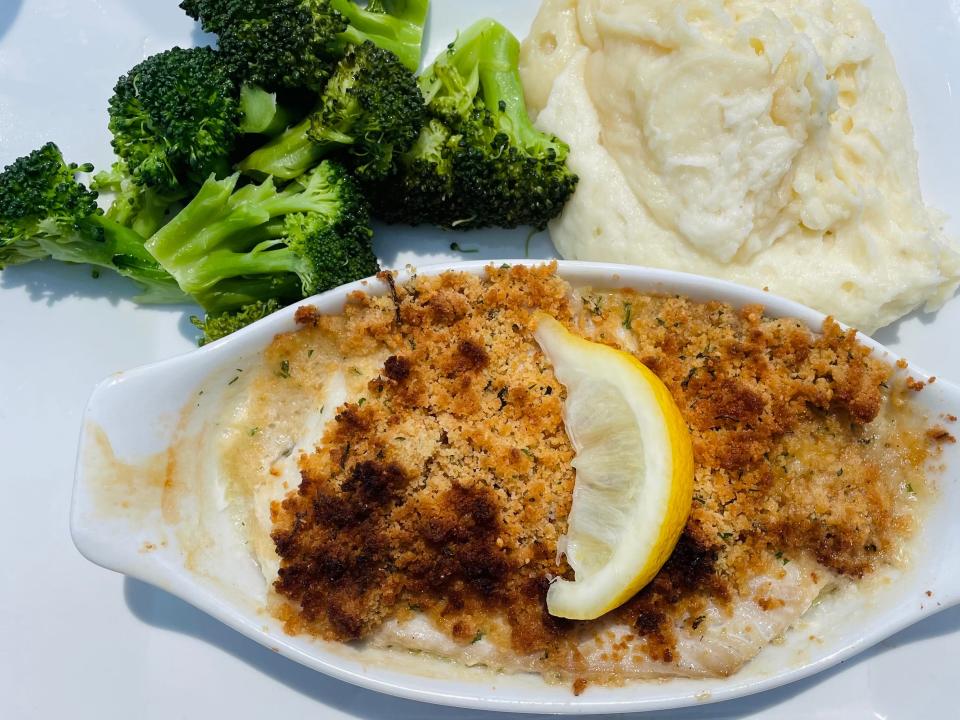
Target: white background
x=77, y=641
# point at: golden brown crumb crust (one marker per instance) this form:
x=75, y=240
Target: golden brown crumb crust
x=446, y=487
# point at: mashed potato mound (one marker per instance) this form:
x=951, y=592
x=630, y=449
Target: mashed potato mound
x=766, y=142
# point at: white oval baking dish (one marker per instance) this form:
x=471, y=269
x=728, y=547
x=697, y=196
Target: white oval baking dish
x=137, y=412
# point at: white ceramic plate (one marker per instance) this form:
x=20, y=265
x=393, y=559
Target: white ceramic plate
x=138, y=410
x=119, y=648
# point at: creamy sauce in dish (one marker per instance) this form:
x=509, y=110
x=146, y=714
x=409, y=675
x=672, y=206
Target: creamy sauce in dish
x=123, y=489
x=766, y=142
x=732, y=588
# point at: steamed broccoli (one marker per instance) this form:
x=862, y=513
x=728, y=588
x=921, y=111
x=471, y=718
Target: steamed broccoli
x=293, y=43
x=45, y=212
x=230, y=247
x=371, y=109
x=262, y=113
x=174, y=118
x=479, y=161
x=143, y=210
x=394, y=25
x=217, y=325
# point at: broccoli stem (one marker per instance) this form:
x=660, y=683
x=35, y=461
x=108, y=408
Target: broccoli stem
x=234, y=248
x=220, y=219
x=262, y=114
x=286, y=203
x=143, y=209
x=194, y=230
x=123, y=240
x=212, y=268
x=228, y=295
x=502, y=89
x=151, y=216
x=121, y=250
x=399, y=31
x=454, y=75
x=488, y=54
x=287, y=156
x=129, y=257
x=224, y=234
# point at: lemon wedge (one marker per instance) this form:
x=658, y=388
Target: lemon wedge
x=634, y=465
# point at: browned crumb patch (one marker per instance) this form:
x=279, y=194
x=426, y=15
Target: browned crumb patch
x=446, y=488
x=938, y=433
x=915, y=385
x=307, y=315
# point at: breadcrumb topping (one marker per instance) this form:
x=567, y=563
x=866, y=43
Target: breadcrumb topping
x=445, y=488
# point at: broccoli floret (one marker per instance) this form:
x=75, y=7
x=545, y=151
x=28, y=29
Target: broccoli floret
x=45, y=212
x=371, y=110
x=231, y=247
x=479, y=162
x=293, y=43
x=425, y=190
x=174, y=118
x=143, y=210
x=217, y=325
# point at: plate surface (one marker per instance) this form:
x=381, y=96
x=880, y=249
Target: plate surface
x=119, y=648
